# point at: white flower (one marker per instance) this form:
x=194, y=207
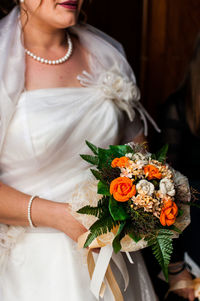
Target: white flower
x=140, y=159
x=145, y=187
x=115, y=84
x=167, y=187
x=129, y=155
x=120, y=88
x=139, y=156
x=125, y=172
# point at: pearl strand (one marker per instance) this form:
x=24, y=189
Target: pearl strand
x=53, y=62
x=29, y=210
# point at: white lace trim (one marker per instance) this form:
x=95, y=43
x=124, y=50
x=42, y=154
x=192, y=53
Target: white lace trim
x=9, y=236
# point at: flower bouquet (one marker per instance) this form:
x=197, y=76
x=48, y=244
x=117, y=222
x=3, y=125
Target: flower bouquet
x=141, y=201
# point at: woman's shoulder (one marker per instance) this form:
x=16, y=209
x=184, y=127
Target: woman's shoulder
x=106, y=49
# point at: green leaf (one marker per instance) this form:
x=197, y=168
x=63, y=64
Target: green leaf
x=93, y=148
x=90, y=238
x=162, y=248
x=117, y=210
x=116, y=242
x=105, y=158
x=101, y=226
x=89, y=210
x=180, y=212
x=103, y=189
x=134, y=236
x=100, y=211
x=153, y=157
x=96, y=173
x=155, y=183
x=120, y=150
x=162, y=153
x=174, y=228
x=90, y=159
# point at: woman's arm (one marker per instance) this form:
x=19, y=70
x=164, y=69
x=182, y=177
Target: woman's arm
x=44, y=213
x=187, y=293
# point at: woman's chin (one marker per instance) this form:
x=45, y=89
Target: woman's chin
x=66, y=21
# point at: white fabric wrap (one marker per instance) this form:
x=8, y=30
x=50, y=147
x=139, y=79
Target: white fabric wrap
x=113, y=76
x=11, y=85
x=110, y=74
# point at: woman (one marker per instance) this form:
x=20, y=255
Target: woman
x=61, y=84
x=181, y=130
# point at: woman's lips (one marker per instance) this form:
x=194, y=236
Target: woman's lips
x=72, y=5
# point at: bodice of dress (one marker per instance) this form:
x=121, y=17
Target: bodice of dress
x=41, y=151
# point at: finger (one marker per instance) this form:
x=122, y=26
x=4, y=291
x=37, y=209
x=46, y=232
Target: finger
x=191, y=296
x=186, y=293
x=182, y=293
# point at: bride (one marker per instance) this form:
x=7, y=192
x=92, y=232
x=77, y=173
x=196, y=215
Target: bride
x=61, y=83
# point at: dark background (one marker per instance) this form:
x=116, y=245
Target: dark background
x=158, y=37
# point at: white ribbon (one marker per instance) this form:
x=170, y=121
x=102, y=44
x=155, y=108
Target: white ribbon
x=105, y=255
x=129, y=258
x=100, y=269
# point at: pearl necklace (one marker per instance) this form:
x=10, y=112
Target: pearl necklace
x=54, y=62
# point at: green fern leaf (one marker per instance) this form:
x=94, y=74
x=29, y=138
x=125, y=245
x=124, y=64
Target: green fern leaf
x=162, y=248
x=101, y=226
x=93, y=148
x=90, y=238
x=90, y=159
x=96, y=174
x=105, y=157
x=162, y=153
x=90, y=210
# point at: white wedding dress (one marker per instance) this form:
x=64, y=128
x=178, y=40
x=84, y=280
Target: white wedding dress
x=40, y=156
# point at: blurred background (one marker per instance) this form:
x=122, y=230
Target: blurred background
x=158, y=37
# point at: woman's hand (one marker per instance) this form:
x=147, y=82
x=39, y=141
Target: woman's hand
x=66, y=222
x=186, y=293
x=71, y=227
x=44, y=213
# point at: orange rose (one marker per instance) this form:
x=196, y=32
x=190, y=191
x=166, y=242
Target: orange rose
x=120, y=162
x=168, y=213
x=152, y=172
x=122, y=189
x=114, y=162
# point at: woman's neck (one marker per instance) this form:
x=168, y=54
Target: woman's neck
x=40, y=36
